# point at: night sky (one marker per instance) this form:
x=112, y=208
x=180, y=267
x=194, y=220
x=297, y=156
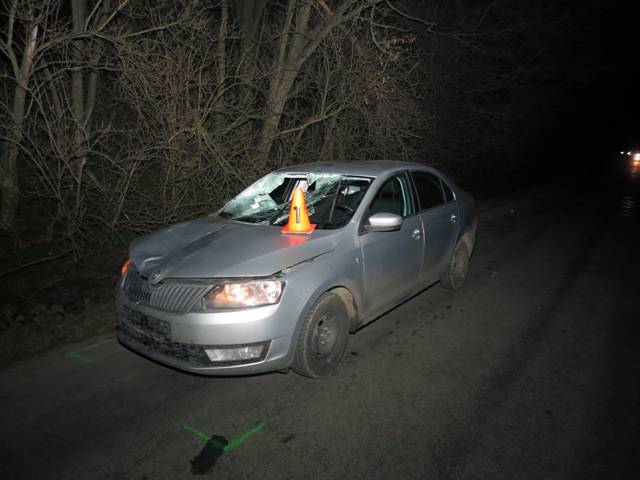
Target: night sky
x=600, y=111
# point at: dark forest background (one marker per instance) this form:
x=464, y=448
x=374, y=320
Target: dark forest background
x=120, y=116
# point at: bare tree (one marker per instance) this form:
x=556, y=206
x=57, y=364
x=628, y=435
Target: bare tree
x=51, y=47
x=128, y=122
x=298, y=40
x=20, y=54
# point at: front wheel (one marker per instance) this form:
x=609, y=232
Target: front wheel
x=454, y=277
x=323, y=337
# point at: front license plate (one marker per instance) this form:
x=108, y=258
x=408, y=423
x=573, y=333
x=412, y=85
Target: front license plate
x=148, y=326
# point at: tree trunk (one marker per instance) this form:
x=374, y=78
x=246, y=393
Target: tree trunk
x=80, y=147
x=294, y=50
x=221, y=71
x=284, y=72
x=8, y=167
x=328, y=144
x=9, y=184
x=250, y=14
x=9, y=189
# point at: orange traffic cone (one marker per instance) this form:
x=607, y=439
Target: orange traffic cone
x=298, y=215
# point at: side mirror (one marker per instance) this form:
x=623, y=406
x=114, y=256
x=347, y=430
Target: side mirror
x=383, y=222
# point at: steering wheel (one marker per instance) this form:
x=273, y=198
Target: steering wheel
x=344, y=208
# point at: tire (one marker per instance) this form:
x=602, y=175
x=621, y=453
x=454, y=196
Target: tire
x=454, y=277
x=323, y=338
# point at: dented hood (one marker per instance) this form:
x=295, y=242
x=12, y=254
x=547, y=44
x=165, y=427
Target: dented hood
x=208, y=249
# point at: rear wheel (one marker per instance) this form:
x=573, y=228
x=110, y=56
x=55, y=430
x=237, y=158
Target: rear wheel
x=323, y=337
x=454, y=277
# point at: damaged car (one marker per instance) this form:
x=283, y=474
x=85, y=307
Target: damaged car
x=285, y=271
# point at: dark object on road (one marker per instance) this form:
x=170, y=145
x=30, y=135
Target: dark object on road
x=208, y=456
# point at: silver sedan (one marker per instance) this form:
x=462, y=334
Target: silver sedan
x=281, y=275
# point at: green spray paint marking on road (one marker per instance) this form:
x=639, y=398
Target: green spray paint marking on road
x=493, y=273
x=76, y=353
x=202, y=436
x=233, y=443
x=240, y=440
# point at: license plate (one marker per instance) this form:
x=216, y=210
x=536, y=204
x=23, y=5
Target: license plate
x=145, y=325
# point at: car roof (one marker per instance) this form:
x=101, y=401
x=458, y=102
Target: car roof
x=368, y=168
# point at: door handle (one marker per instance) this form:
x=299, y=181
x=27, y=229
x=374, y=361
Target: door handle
x=416, y=234
x=453, y=218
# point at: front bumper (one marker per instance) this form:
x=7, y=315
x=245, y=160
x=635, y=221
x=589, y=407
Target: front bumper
x=180, y=339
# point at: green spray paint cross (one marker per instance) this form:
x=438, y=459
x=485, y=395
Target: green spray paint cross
x=233, y=443
x=77, y=352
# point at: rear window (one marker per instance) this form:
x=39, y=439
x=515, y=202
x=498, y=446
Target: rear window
x=428, y=188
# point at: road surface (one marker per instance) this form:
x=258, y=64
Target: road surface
x=530, y=371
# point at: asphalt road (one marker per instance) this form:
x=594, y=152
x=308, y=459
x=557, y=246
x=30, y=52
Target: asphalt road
x=531, y=371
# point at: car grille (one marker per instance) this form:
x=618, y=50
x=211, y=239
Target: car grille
x=169, y=295
x=154, y=335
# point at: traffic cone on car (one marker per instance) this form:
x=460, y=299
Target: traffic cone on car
x=298, y=215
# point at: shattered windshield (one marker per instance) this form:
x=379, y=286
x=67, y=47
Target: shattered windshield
x=331, y=199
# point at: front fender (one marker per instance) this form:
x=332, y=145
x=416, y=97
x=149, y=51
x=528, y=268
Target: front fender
x=339, y=270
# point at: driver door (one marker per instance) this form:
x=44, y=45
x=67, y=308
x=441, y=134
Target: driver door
x=392, y=260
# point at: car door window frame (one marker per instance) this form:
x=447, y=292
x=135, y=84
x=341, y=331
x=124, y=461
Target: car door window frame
x=445, y=188
x=419, y=208
x=413, y=205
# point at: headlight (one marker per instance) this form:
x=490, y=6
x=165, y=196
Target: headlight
x=245, y=294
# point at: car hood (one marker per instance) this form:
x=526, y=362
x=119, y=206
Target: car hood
x=221, y=249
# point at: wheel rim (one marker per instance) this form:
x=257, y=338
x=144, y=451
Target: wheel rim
x=325, y=335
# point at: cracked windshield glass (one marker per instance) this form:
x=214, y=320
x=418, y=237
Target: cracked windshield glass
x=331, y=199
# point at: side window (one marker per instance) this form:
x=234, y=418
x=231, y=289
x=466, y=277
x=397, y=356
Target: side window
x=448, y=194
x=393, y=197
x=428, y=188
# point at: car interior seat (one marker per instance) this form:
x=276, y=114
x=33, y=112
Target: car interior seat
x=388, y=200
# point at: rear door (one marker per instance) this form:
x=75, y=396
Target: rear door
x=439, y=214
x=392, y=259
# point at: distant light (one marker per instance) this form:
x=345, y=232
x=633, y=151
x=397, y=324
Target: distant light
x=621, y=153
x=636, y=157
x=629, y=153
